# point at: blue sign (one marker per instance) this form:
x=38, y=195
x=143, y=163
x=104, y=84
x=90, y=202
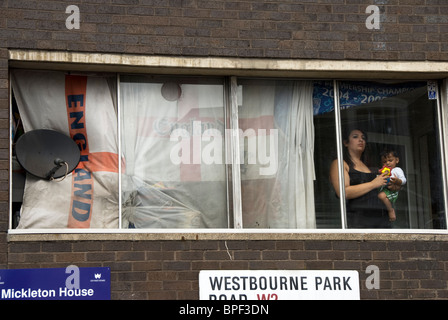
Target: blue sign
x=432, y=90
x=71, y=283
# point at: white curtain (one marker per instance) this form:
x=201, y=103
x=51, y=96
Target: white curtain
x=302, y=161
x=277, y=147
x=166, y=180
x=281, y=116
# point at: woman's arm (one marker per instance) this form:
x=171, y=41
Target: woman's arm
x=352, y=192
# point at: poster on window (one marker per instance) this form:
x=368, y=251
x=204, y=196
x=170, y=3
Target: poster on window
x=353, y=94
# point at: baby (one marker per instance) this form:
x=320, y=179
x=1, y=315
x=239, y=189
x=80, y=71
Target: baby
x=397, y=177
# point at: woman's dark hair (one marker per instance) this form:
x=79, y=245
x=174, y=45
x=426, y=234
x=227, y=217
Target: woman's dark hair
x=345, y=138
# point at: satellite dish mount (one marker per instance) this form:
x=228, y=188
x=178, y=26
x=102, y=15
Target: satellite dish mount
x=47, y=154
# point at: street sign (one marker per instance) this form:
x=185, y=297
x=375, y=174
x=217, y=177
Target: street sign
x=71, y=283
x=279, y=285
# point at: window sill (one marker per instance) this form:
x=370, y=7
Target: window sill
x=182, y=235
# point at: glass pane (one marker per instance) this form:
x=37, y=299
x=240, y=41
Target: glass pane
x=277, y=153
x=328, y=208
x=401, y=120
x=172, y=139
x=82, y=107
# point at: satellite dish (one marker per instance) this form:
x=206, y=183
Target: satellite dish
x=47, y=154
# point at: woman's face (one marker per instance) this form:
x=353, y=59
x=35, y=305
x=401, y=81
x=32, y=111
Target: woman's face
x=356, y=141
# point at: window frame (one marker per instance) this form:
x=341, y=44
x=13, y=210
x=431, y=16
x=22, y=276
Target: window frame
x=27, y=60
x=441, y=111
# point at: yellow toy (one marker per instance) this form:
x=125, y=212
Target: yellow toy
x=387, y=170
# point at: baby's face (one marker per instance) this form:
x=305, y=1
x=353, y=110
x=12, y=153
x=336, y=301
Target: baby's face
x=390, y=161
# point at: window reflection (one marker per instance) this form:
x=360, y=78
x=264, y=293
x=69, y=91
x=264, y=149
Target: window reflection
x=400, y=117
x=328, y=208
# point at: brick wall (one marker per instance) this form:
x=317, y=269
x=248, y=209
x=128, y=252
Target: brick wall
x=170, y=269
x=313, y=29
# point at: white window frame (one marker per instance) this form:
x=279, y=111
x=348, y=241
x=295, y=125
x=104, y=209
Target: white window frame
x=441, y=109
x=309, y=69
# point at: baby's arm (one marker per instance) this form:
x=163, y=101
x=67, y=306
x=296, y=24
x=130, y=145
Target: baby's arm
x=397, y=179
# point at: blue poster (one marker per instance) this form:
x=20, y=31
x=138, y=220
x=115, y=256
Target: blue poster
x=356, y=93
x=71, y=283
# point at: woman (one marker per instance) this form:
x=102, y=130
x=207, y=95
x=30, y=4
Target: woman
x=364, y=210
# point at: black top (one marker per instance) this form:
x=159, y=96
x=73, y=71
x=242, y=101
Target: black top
x=366, y=211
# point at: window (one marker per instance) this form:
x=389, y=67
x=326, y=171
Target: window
x=277, y=140
x=400, y=117
x=84, y=108
x=190, y=152
x=172, y=138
